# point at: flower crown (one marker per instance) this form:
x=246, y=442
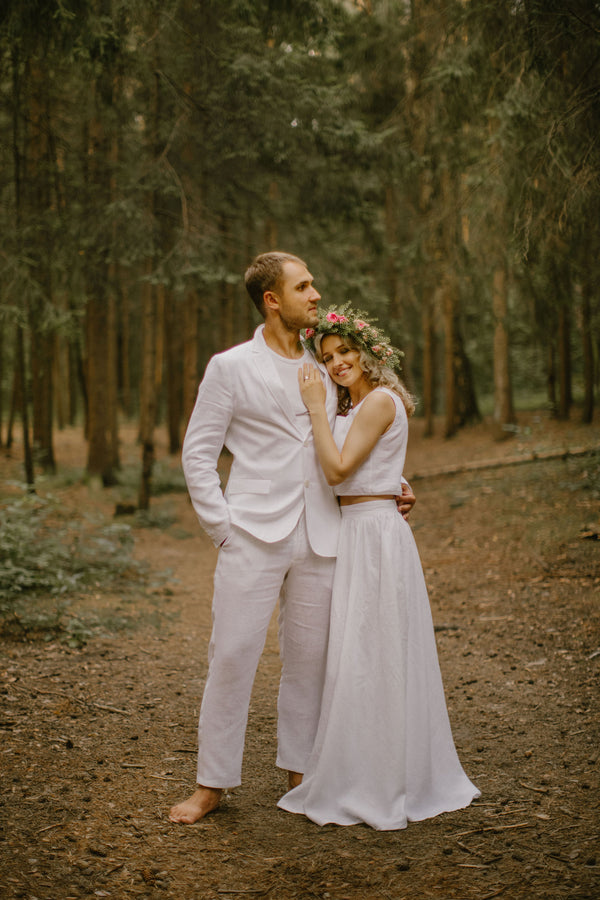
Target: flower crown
x=353, y=323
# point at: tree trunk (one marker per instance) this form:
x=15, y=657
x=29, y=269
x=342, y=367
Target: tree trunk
x=124, y=347
x=503, y=402
x=20, y=390
x=15, y=395
x=467, y=406
x=190, y=352
x=588, y=351
x=148, y=399
x=77, y=383
x=99, y=380
x=391, y=275
x=37, y=195
x=449, y=312
x=153, y=304
x=22, y=377
x=551, y=378
x=226, y=300
x=460, y=394
x=100, y=457
x=247, y=304
x=396, y=291
x=61, y=381
x=2, y=368
x=42, y=371
x=113, y=393
x=174, y=343
x=564, y=362
x=112, y=314
x=159, y=347
x=16, y=162
x=271, y=231
x=429, y=346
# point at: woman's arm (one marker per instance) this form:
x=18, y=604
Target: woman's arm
x=374, y=417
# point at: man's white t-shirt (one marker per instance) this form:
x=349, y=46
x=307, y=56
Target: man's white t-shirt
x=287, y=370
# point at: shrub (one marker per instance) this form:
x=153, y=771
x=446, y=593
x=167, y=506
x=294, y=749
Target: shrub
x=46, y=561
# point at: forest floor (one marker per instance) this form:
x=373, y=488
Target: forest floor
x=99, y=740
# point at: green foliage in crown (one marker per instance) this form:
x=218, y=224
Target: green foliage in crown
x=355, y=324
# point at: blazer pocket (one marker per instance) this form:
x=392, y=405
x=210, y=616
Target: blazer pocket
x=248, y=486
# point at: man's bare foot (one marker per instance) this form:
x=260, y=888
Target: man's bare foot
x=202, y=801
x=294, y=779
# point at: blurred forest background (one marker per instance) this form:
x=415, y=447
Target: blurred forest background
x=435, y=162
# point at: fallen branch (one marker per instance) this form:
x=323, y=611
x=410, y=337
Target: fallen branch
x=50, y=827
x=495, y=893
x=114, y=709
x=243, y=890
x=495, y=828
x=469, y=849
x=165, y=778
x=530, y=787
x=35, y=691
x=70, y=697
x=479, y=464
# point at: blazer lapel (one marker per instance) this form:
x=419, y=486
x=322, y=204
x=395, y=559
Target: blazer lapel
x=268, y=372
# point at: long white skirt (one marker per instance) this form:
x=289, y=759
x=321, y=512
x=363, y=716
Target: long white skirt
x=384, y=752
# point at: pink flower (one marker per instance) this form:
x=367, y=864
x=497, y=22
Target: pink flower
x=342, y=319
x=332, y=317
x=310, y=332
x=389, y=352
x=360, y=324
x=376, y=348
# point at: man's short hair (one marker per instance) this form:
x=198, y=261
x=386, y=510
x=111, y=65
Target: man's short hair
x=264, y=274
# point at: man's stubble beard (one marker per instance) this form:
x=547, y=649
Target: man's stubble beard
x=295, y=325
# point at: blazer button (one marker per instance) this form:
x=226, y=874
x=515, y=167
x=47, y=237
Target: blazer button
x=306, y=483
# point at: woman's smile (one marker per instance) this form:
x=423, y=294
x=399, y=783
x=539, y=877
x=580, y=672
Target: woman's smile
x=340, y=371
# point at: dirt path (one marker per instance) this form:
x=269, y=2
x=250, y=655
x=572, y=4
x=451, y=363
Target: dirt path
x=97, y=742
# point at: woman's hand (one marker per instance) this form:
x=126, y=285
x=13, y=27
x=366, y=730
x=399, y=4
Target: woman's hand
x=406, y=501
x=312, y=388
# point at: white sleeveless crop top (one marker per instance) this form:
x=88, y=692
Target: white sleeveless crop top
x=381, y=472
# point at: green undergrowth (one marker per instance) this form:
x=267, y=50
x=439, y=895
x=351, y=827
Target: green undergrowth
x=49, y=558
x=166, y=479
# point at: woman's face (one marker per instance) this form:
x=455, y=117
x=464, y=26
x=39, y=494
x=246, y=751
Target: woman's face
x=340, y=360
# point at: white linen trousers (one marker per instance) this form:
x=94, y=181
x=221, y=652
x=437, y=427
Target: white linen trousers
x=251, y=575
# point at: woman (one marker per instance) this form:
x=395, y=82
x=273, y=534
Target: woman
x=384, y=752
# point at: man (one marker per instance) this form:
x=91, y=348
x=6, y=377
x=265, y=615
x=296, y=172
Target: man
x=276, y=526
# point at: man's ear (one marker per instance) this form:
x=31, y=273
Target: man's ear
x=270, y=300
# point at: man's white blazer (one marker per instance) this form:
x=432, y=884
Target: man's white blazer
x=275, y=473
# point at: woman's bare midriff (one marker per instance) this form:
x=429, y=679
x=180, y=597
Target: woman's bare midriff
x=348, y=501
